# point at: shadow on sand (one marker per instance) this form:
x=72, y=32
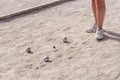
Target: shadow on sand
x=112, y=35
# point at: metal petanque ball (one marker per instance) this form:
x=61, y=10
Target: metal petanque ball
x=46, y=59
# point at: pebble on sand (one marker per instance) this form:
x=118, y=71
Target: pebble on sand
x=28, y=50
x=65, y=40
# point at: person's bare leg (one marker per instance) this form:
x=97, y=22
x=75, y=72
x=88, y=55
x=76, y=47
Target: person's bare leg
x=92, y=29
x=100, y=12
x=94, y=9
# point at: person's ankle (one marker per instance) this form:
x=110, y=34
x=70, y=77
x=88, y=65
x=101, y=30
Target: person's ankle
x=99, y=28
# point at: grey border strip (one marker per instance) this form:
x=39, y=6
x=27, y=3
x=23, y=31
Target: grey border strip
x=40, y=8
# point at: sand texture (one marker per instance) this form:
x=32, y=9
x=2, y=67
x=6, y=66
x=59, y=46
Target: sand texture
x=83, y=58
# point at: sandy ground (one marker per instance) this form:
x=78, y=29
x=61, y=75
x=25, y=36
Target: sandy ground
x=13, y=6
x=83, y=58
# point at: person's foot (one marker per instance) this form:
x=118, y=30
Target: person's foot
x=92, y=29
x=99, y=34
